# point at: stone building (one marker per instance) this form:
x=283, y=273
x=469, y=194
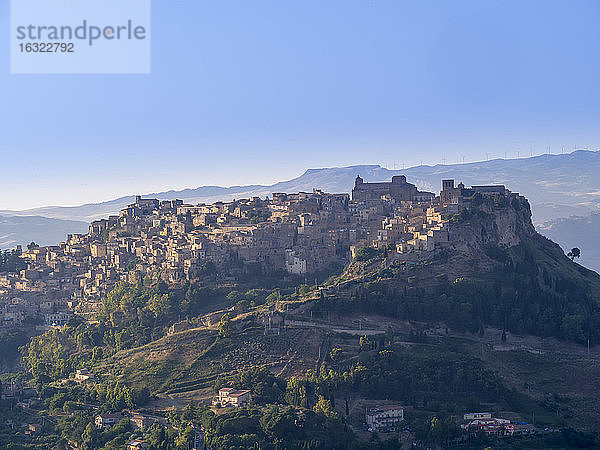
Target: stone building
x=399, y=190
x=384, y=418
x=451, y=194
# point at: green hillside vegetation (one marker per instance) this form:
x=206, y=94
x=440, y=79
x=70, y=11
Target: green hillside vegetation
x=313, y=406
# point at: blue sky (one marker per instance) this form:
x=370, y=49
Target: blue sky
x=256, y=92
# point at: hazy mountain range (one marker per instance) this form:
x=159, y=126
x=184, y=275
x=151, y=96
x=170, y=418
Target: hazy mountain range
x=575, y=231
x=557, y=186
x=16, y=230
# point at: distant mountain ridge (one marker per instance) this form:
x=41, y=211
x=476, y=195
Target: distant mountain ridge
x=556, y=185
x=20, y=230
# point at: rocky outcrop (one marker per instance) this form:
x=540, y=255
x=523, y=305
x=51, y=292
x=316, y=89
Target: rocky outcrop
x=490, y=222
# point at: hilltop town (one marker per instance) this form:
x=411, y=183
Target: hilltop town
x=221, y=243
x=179, y=319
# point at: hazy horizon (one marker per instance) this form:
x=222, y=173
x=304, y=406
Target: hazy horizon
x=246, y=93
x=261, y=183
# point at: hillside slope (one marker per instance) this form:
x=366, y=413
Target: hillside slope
x=497, y=271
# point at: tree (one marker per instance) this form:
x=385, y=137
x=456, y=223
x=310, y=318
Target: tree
x=158, y=437
x=442, y=430
x=160, y=305
x=242, y=305
x=366, y=343
x=185, y=437
x=336, y=354
x=11, y=261
x=574, y=253
x=365, y=253
x=278, y=422
x=225, y=326
x=389, y=337
x=295, y=392
x=323, y=408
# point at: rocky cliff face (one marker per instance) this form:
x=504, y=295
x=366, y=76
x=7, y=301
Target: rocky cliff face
x=497, y=236
x=503, y=223
x=497, y=270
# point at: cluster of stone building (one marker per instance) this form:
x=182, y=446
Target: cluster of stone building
x=494, y=426
x=298, y=233
x=384, y=418
x=138, y=420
